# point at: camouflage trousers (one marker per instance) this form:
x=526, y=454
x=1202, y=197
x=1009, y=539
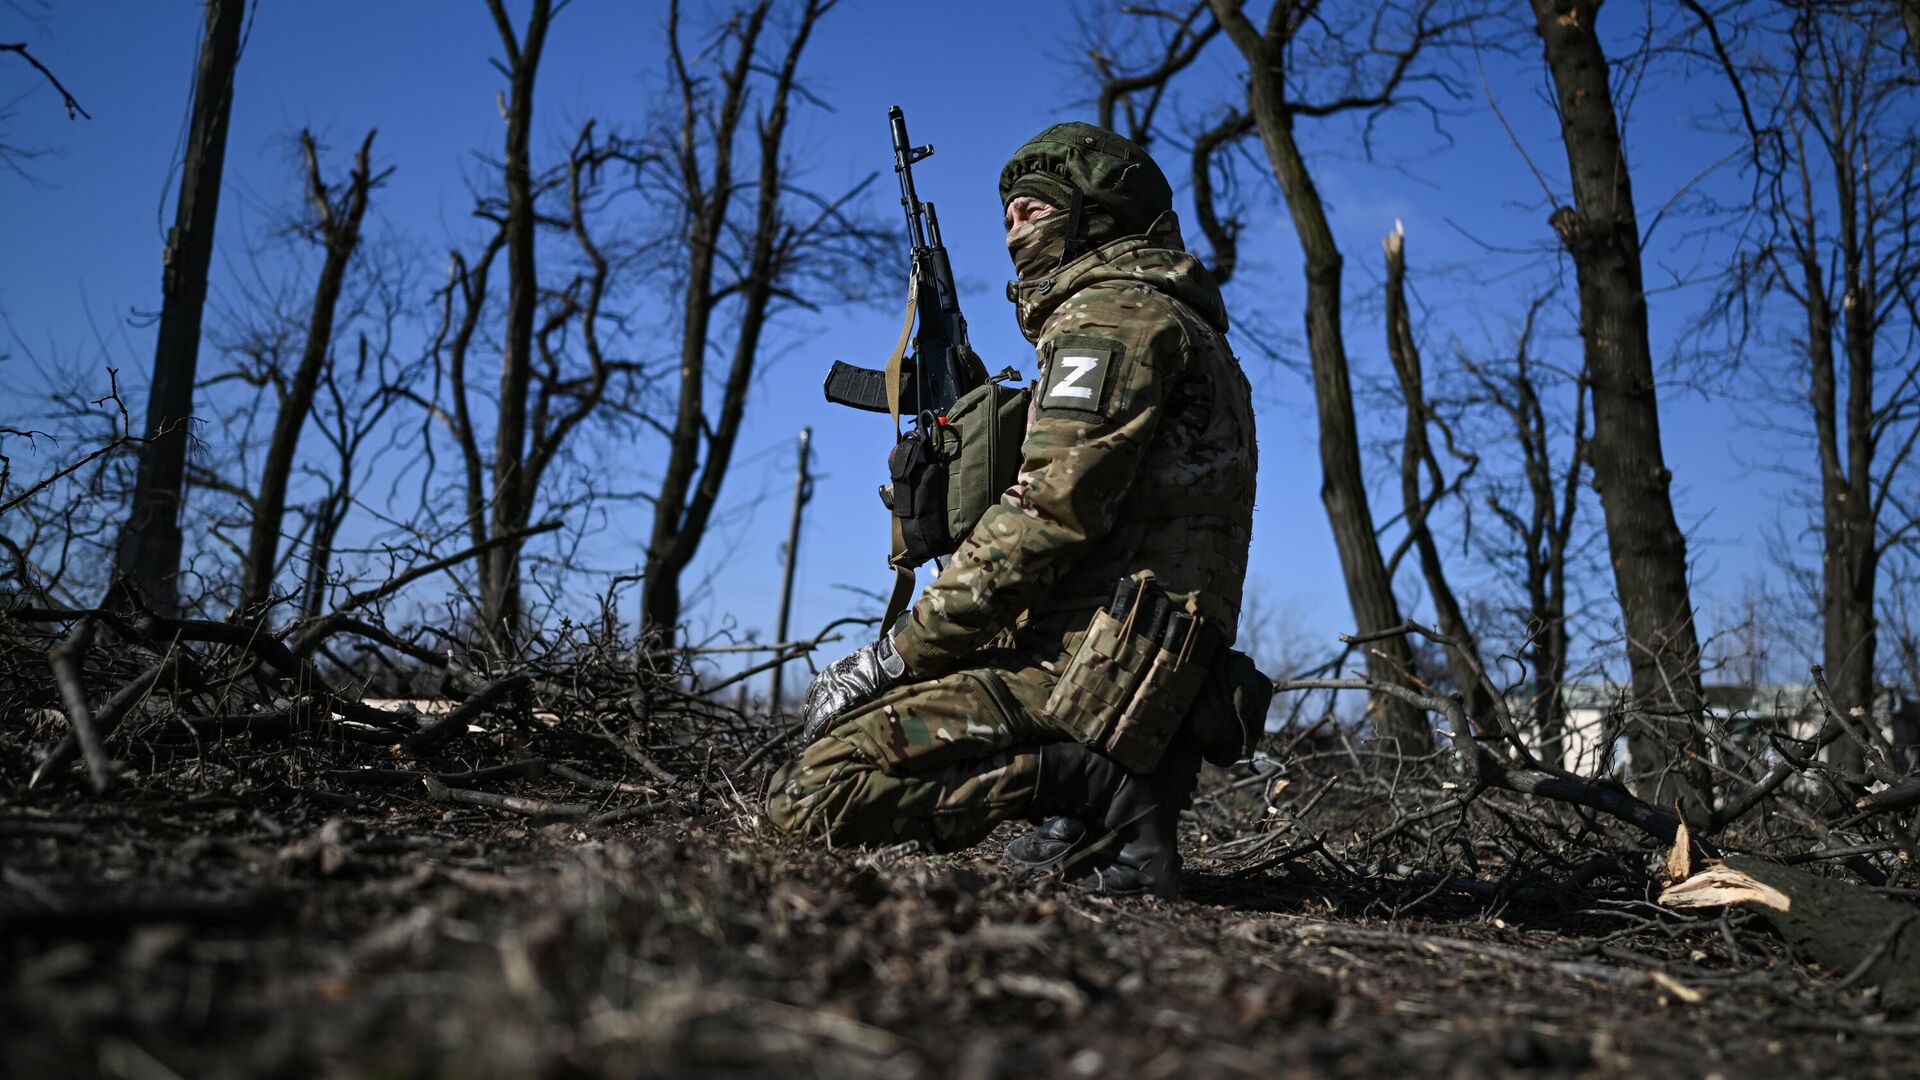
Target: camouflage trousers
x=941, y=761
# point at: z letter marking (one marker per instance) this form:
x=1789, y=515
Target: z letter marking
x=1067, y=385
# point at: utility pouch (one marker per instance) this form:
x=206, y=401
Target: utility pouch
x=985, y=427
x=1230, y=714
x=1106, y=667
x=946, y=474
x=917, y=496
x=1182, y=659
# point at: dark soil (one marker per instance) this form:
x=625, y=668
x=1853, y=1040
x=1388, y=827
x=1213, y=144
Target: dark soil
x=285, y=933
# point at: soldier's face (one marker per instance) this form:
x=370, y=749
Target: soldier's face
x=1025, y=209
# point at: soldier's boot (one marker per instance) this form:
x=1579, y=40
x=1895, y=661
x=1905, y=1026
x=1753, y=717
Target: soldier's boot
x=1047, y=845
x=1140, y=851
x=1073, y=789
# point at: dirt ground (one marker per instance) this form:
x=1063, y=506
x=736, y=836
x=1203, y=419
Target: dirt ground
x=288, y=933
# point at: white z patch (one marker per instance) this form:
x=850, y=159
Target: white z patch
x=1067, y=385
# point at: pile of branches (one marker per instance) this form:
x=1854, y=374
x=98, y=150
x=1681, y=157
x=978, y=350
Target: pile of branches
x=122, y=695
x=1816, y=856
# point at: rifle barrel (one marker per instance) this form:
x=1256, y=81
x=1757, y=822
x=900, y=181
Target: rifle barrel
x=904, y=155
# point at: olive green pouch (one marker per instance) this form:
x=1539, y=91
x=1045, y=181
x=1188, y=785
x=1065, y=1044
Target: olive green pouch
x=980, y=442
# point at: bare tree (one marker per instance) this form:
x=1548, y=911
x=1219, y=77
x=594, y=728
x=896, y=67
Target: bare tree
x=1602, y=235
x=512, y=491
x=1838, y=165
x=555, y=375
x=354, y=403
x=1368, y=57
x=1423, y=484
x=1535, y=546
x=753, y=258
x=149, y=549
x=336, y=226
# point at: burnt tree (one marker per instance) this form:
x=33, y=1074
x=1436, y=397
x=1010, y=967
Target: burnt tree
x=1275, y=110
x=1307, y=61
x=511, y=493
x=1602, y=236
x=148, y=552
x=1837, y=163
x=1535, y=546
x=752, y=258
x=336, y=227
x=1423, y=484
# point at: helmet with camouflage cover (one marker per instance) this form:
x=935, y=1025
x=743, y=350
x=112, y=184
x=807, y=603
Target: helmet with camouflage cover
x=1106, y=169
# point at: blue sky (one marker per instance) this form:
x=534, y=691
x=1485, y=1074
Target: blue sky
x=83, y=239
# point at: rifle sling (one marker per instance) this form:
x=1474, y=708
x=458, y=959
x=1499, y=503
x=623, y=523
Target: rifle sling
x=903, y=582
x=900, y=351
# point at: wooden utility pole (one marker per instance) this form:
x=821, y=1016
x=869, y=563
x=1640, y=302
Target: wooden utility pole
x=148, y=553
x=802, y=491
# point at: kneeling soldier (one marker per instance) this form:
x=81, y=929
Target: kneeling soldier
x=1068, y=664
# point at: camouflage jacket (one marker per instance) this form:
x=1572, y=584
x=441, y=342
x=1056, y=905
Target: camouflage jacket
x=1139, y=454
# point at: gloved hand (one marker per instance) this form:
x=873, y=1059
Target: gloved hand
x=852, y=680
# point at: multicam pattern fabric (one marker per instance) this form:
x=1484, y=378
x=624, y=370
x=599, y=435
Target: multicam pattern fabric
x=1106, y=169
x=1152, y=468
x=1159, y=476
x=940, y=762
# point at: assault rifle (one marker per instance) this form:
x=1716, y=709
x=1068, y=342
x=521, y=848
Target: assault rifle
x=921, y=384
x=924, y=383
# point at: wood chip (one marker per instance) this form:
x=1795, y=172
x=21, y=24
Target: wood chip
x=1677, y=988
x=1721, y=885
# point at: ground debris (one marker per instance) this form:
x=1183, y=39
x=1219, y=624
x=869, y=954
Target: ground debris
x=598, y=896
x=458, y=943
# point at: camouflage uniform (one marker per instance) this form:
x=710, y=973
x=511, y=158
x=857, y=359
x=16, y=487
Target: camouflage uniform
x=1139, y=455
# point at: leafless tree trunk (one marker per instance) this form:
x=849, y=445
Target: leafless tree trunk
x=1418, y=463
x=149, y=548
x=1538, y=521
x=512, y=491
x=1367, y=72
x=701, y=443
x=1840, y=171
x=1649, y=551
x=337, y=225
x=1343, y=487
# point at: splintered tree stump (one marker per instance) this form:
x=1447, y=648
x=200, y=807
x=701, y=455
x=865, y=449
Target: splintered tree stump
x=1857, y=935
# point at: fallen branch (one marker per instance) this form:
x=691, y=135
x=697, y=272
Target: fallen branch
x=575, y=776
x=108, y=718
x=1901, y=796
x=394, y=779
x=1840, y=926
x=440, y=792
x=67, y=660
x=456, y=721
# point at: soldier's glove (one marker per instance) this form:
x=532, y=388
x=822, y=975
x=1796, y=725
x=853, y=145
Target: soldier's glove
x=850, y=681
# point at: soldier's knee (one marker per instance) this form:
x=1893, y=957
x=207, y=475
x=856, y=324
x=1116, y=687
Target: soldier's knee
x=783, y=807
x=818, y=794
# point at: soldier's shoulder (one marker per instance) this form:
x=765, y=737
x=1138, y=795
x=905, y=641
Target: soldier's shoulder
x=1132, y=312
